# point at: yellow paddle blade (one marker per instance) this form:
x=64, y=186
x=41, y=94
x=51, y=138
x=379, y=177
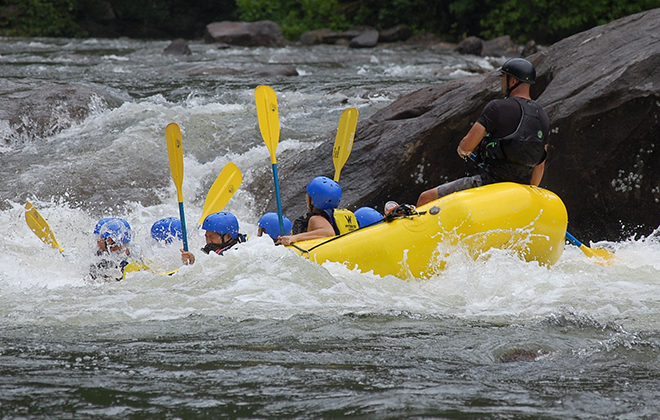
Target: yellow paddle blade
x=269, y=122
x=600, y=253
x=135, y=266
x=38, y=225
x=222, y=190
x=344, y=140
x=175, y=153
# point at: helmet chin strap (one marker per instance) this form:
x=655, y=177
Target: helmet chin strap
x=512, y=88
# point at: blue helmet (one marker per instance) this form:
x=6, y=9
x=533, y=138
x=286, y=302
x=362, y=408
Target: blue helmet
x=167, y=229
x=325, y=193
x=368, y=216
x=271, y=223
x=97, y=228
x=221, y=222
x=117, y=229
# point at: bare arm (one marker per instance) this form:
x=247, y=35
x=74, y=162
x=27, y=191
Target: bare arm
x=537, y=174
x=471, y=140
x=317, y=227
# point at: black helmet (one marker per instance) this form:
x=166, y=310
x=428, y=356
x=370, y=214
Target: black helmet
x=521, y=69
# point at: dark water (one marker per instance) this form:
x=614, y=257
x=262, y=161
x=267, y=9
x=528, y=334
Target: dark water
x=376, y=366
x=262, y=333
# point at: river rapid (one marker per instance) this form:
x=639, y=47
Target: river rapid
x=260, y=332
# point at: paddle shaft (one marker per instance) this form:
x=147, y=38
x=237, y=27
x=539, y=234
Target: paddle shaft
x=278, y=198
x=182, y=215
x=573, y=240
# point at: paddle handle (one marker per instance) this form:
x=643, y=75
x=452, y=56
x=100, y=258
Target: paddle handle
x=182, y=216
x=278, y=198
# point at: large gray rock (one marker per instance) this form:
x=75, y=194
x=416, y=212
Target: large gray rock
x=317, y=36
x=264, y=33
x=501, y=46
x=395, y=34
x=470, y=45
x=367, y=39
x=601, y=90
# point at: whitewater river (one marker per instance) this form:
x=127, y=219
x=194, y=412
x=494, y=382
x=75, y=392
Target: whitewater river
x=261, y=333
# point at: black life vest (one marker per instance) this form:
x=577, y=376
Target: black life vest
x=513, y=157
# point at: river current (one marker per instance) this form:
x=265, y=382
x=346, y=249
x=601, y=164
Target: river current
x=260, y=332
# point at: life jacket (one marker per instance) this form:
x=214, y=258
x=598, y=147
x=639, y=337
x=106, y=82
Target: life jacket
x=513, y=157
x=342, y=221
x=114, y=267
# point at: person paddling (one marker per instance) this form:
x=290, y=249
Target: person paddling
x=113, y=236
x=222, y=234
x=166, y=230
x=323, y=218
x=509, y=139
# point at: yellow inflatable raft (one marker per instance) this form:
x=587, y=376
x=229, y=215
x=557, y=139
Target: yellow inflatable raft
x=527, y=220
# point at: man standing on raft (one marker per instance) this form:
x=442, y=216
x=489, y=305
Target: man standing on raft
x=510, y=136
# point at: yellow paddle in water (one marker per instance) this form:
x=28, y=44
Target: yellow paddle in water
x=269, y=125
x=344, y=139
x=175, y=154
x=222, y=190
x=38, y=225
x=590, y=252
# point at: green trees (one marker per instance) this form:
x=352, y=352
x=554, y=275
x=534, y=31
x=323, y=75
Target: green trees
x=39, y=18
x=295, y=16
x=111, y=18
x=548, y=21
x=545, y=21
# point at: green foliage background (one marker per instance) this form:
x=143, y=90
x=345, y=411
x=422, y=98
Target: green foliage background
x=545, y=21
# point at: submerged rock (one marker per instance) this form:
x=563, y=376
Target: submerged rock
x=41, y=109
x=178, y=47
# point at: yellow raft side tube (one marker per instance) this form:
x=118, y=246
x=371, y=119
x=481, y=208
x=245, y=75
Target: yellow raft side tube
x=528, y=220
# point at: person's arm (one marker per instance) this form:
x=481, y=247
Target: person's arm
x=318, y=227
x=471, y=140
x=537, y=174
x=539, y=170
